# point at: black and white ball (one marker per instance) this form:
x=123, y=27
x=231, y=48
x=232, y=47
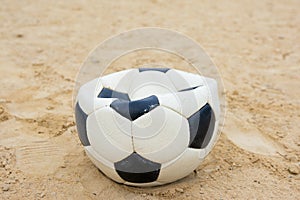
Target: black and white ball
x=148, y=126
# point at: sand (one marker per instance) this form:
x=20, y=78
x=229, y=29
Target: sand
x=255, y=44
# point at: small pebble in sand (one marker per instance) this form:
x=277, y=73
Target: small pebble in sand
x=5, y=187
x=294, y=169
x=179, y=190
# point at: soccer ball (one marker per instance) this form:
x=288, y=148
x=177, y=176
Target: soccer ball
x=148, y=126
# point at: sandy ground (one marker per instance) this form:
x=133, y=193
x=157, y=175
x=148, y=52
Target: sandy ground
x=256, y=45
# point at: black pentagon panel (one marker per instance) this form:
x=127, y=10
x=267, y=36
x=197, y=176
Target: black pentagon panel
x=137, y=169
x=139, y=107
x=201, y=124
x=80, y=118
x=109, y=93
x=188, y=89
x=134, y=109
x=163, y=70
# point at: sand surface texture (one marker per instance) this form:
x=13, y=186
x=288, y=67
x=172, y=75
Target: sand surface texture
x=256, y=45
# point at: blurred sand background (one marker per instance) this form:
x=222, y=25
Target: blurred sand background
x=255, y=44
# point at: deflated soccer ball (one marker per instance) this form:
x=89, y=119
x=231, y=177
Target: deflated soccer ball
x=148, y=126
